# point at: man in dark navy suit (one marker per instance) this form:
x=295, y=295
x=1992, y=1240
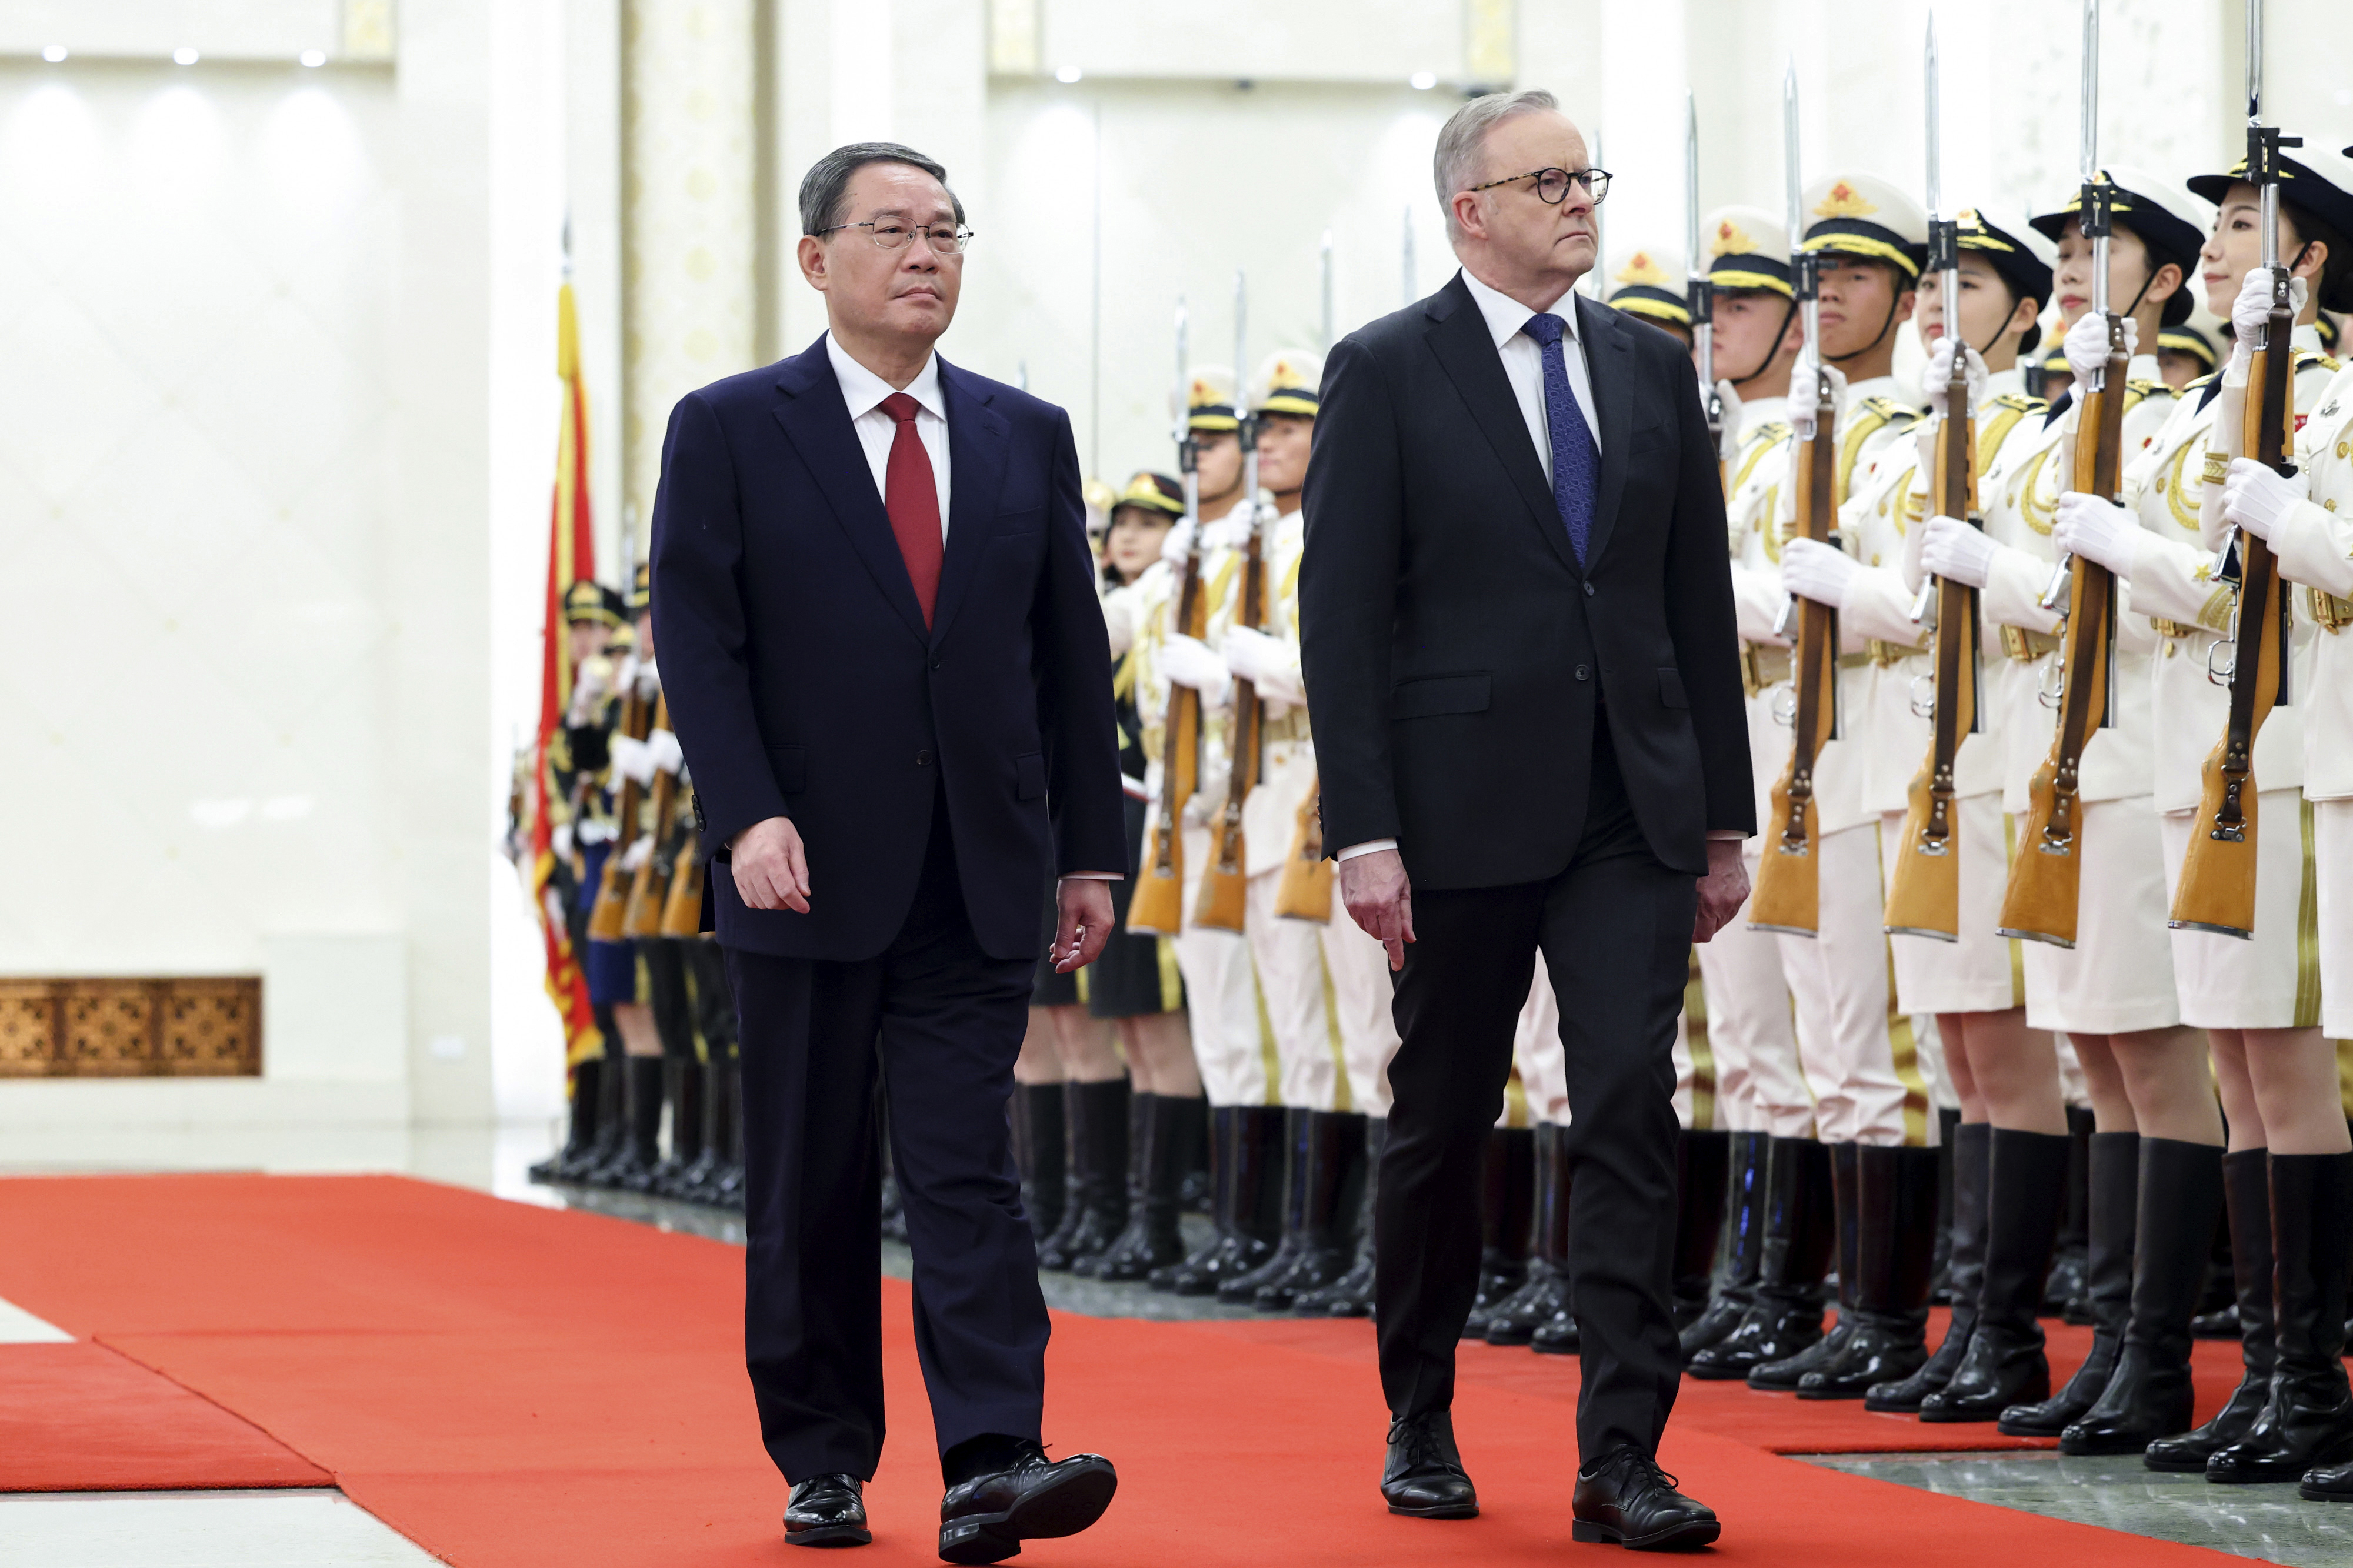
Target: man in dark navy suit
x=888, y=670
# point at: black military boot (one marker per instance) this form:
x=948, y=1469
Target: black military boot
x=1895, y=1249
x=1195, y=1191
x=1351, y=1295
x=2148, y=1395
x=1784, y=1374
x=580, y=1136
x=2004, y=1365
x=2062, y=1293
x=1800, y=1235
x=1042, y=1155
x=1097, y=1114
x=1543, y=1295
x=640, y=1145
x=2307, y=1421
x=1940, y=1293
x=1246, y=1156
x=2247, y=1200
x=1334, y=1147
x=1972, y=1143
x=683, y=1091
x=1089, y=1265
x=1507, y=1205
x=1156, y=1171
x=1702, y=1159
x=1291, y=1213
x=1743, y=1247
x=612, y=1121
x=2114, y=1211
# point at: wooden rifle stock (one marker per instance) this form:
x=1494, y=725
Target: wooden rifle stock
x=681, y=912
x=607, y=916
x=1788, y=884
x=1924, y=897
x=1305, y=891
x=1157, y=907
x=649, y=888
x=1225, y=880
x=2046, y=874
x=2217, y=890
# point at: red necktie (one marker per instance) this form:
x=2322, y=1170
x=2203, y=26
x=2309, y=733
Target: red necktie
x=912, y=496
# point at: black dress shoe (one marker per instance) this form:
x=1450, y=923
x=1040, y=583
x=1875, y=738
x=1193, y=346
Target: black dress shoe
x=1424, y=1478
x=1627, y=1501
x=986, y=1519
x=827, y=1511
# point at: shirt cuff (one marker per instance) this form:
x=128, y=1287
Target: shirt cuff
x=1372, y=847
x=1733, y=833
x=1095, y=876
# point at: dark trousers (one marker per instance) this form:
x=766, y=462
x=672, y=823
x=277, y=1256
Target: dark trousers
x=936, y=1023
x=1615, y=929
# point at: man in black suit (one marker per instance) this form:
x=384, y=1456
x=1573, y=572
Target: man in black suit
x=887, y=671
x=1521, y=668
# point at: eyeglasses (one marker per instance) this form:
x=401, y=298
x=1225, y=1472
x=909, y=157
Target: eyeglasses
x=1552, y=184
x=893, y=235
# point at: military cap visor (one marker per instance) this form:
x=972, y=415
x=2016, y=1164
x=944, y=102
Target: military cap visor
x=1153, y=493
x=592, y=601
x=2027, y=275
x=2187, y=340
x=2168, y=236
x=1868, y=218
x=1653, y=304
x=2306, y=193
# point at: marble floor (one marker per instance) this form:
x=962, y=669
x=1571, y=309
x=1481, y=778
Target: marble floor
x=305, y=1529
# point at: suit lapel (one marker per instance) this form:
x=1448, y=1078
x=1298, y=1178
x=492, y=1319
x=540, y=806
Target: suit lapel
x=1609, y=364
x=817, y=421
x=1459, y=337
x=976, y=437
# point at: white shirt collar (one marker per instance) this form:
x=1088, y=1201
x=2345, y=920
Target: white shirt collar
x=1505, y=316
x=864, y=391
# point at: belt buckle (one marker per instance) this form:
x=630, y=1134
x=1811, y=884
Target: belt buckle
x=2333, y=613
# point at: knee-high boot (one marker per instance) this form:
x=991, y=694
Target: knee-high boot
x=1334, y=1141
x=2148, y=1395
x=2063, y=1291
x=1506, y=1218
x=2247, y=1200
x=2307, y=1421
x=1895, y=1246
x=2112, y=1224
x=1948, y=1122
x=1151, y=1239
x=2004, y=1365
x=1800, y=1235
x=1351, y=1295
x=1040, y=1152
x=1744, y=1248
x=1097, y=1211
x=1294, y=1168
x=1972, y=1149
x=1786, y=1374
x=1246, y=1158
x=580, y=1135
x=1543, y=1295
x=1701, y=1162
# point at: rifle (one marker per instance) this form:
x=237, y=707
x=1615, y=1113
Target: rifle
x=1225, y=880
x=1305, y=890
x=1701, y=288
x=1925, y=897
x=607, y=916
x=651, y=887
x=2217, y=890
x=1157, y=907
x=2046, y=876
x=1789, y=882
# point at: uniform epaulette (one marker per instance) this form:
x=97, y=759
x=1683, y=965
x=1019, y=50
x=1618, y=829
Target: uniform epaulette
x=2141, y=388
x=1890, y=410
x=2200, y=384
x=2017, y=402
x=2311, y=356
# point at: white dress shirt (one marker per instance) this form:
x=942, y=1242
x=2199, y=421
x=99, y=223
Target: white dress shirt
x=864, y=391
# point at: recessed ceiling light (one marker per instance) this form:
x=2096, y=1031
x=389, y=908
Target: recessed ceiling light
x=1422, y=81
x=1067, y=73
x=185, y=55
x=312, y=58
x=54, y=53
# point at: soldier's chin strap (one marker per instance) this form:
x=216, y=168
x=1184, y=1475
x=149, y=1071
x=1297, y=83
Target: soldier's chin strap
x=1787, y=315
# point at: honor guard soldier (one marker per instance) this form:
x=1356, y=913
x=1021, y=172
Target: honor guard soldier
x=1648, y=282
x=2183, y=355
x=1859, y=1054
x=1753, y=1040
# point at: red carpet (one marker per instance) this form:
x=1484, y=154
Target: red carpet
x=80, y=1417
x=513, y=1386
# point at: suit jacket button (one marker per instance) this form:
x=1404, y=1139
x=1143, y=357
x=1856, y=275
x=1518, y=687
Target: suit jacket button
x=1583, y=673
x=1588, y=590
x=937, y=662
x=923, y=759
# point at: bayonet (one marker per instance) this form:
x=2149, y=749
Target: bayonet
x=1700, y=291
x=1327, y=258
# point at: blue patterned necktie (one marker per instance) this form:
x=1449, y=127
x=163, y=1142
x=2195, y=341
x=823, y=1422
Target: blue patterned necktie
x=1575, y=462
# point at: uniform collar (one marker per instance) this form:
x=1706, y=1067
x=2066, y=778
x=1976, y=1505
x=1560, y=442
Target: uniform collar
x=1877, y=387
x=864, y=391
x=1505, y=316
x=2011, y=383
x=1756, y=412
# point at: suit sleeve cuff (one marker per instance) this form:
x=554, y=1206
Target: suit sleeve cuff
x=1371, y=847
x=1095, y=876
x=1732, y=833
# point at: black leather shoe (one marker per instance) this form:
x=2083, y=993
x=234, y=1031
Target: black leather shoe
x=1424, y=1478
x=986, y=1519
x=2332, y=1485
x=827, y=1511
x=1627, y=1501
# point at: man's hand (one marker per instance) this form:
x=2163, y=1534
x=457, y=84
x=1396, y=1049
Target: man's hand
x=1084, y=922
x=1723, y=890
x=1380, y=898
x=770, y=866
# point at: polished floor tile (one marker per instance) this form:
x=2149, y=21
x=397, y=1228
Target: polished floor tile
x=307, y=1529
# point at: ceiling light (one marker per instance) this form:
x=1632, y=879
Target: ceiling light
x=1422, y=81
x=185, y=55
x=312, y=58
x=1067, y=73
x=54, y=53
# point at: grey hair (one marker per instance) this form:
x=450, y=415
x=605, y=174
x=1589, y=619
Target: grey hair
x=1462, y=141
x=825, y=189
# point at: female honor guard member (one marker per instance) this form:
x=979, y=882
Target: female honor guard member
x=2255, y=999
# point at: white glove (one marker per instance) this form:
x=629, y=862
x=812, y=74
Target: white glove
x=2257, y=499
x=649, y=680
x=1940, y=374
x=1813, y=570
x=1728, y=443
x=1187, y=661
x=637, y=854
x=560, y=841
x=2087, y=345
x=1803, y=398
x=1230, y=531
x=1249, y=654
x=662, y=745
x=2250, y=311
x=590, y=682
x=1951, y=548
x=2098, y=530
x=633, y=760
x=1177, y=543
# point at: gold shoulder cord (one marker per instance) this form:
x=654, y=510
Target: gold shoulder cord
x=2039, y=516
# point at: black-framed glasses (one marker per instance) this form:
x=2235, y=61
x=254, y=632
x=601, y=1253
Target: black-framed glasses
x=1552, y=184
x=893, y=235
